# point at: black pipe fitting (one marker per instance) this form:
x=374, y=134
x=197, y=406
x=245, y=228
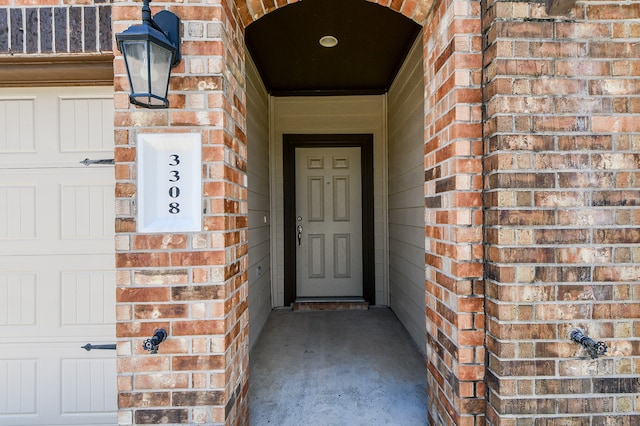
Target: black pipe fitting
x=594, y=349
x=153, y=343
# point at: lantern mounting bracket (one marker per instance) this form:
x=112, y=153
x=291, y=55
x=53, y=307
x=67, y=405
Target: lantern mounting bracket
x=169, y=23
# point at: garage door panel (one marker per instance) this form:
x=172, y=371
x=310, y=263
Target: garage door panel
x=87, y=393
x=18, y=298
x=18, y=208
x=18, y=382
x=83, y=389
x=85, y=123
x=17, y=124
x=68, y=297
x=73, y=214
x=55, y=126
x=88, y=298
x=84, y=211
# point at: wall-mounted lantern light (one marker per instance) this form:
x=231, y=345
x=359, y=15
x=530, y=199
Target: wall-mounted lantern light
x=150, y=51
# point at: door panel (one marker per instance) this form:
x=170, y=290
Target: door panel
x=329, y=222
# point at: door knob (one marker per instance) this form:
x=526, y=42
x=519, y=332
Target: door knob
x=299, y=235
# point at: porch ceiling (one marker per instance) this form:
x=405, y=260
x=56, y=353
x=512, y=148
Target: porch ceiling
x=372, y=44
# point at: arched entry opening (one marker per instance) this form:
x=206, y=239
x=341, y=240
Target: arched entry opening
x=449, y=154
x=365, y=94
x=351, y=82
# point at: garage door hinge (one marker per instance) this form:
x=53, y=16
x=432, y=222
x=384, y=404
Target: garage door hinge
x=88, y=162
x=89, y=346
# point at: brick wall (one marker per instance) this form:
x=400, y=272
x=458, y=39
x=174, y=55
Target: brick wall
x=252, y=10
x=562, y=212
x=453, y=234
x=28, y=27
x=192, y=284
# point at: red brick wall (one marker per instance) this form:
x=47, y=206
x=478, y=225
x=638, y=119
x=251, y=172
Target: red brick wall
x=192, y=284
x=453, y=201
x=252, y=10
x=563, y=224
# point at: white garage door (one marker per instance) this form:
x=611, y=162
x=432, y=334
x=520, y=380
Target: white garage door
x=57, y=276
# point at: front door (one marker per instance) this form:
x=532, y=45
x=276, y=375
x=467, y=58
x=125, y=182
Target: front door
x=328, y=222
x=328, y=204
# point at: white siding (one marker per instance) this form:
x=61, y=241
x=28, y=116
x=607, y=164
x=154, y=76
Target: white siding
x=259, y=202
x=331, y=115
x=406, y=197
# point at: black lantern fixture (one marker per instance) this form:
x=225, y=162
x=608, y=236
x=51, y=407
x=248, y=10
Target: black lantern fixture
x=150, y=51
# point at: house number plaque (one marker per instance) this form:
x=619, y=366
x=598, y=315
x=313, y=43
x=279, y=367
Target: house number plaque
x=169, y=182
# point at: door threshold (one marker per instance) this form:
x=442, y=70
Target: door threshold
x=330, y=304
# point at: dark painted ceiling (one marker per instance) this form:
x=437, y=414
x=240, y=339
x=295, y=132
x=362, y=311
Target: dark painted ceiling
x=372, y=44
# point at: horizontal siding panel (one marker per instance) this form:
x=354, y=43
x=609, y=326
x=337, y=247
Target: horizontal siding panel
x=338, y=124
x=328, y=107
x=259, y=202
x=408, y=317
x=406, y=242
x=412, y=216
x=406, y=198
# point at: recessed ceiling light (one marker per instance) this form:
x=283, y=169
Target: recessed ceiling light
x=328, y=41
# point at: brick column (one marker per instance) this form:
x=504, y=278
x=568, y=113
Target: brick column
x=563, y=190
x=453, y=191
x=194, y=285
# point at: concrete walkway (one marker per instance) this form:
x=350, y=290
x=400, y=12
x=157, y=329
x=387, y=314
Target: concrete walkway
x=336, y=368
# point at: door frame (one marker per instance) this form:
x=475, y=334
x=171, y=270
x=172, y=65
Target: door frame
x=289, y=144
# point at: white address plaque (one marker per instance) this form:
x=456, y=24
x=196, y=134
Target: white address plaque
x=169, y=182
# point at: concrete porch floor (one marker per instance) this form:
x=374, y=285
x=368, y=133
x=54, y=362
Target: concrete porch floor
x=336, y=368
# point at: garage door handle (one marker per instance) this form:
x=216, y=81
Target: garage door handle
x=89, y=346
x=88, y=162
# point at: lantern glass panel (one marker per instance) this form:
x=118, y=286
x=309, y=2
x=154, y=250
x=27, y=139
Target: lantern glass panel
x=149, y=67
x=135, y=55
x=160, y=69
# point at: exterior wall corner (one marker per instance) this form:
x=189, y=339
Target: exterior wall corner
x=192, y=284
x=453, y=214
